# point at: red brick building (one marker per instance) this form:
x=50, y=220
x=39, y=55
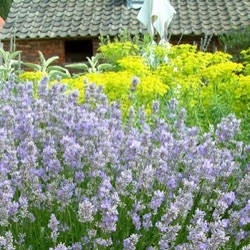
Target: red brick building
x=70, y=29
x=1, y=23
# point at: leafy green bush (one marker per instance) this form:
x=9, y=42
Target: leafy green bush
x=236, y=41
x=5, y=7
x=113, y=52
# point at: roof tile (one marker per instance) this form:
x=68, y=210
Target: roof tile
x=65, y=18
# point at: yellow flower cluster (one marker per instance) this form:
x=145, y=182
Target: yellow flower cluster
x=135, y=65
x=242, y=95
x=223, y=71
x=117, y=86
x=246, y=60
x=32, y=76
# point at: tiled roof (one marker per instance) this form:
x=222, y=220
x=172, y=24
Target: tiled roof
x=72, y=18
x=1, y=23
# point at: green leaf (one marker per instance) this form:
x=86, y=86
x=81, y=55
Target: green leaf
x=82, y=66
x=94, y=60
x=42, y=60
x=44, y=63
x=58, y=68
x=105, y=66
x=4, y=54
x=2, y=67
x=55, y=73
x=97, y=56
x=15, y=54
x=33, y=66
x=50, y=60
x=14, y=62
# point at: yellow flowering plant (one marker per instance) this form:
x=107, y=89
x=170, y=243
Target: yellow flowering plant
x=246, y=60
x=118, y=84
x=32, y=76
x=208, y=85
x=205, y=84
x=135, y=65
x=155, y=55
x=113, y=52
x=241, y=106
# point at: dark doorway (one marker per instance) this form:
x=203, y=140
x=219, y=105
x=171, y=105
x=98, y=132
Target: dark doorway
x=78, y=50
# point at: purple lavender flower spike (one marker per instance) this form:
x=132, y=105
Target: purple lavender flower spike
x=157, y=200
x=227, y=129
x=43, y=87
x=54, y=226
x=134, y=83
x=130, y=242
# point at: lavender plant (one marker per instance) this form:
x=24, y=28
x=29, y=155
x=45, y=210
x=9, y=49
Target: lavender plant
x=77, y=177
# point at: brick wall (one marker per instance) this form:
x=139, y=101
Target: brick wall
x=56, y=47
x=96, y=43
x=49, y=48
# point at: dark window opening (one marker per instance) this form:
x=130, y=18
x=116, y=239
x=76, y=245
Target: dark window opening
x=78, y=50
x=135, y=4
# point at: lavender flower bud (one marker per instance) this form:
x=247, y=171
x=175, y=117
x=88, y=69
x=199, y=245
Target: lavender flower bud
x=85, y=211
x=227, y=129
x=147, y=223
x=60, y=246
x=157, y=200
x=42, y=87
x=130, y=243
x=155, y=107
x=53, y=225
x=103, y=242
x=76, y=246
x=134, y=83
